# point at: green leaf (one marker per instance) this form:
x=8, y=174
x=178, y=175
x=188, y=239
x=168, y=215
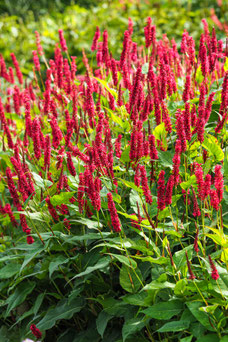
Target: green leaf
x=59, y=260
x=102, y=321
x=199, y=75
x=125, y=155
x=209, y=338
x=166, y=158
x=19, y=296
x=132, y=326
x=102, y=263
x=164, y=310
x=9, y=270
x=33, y=310
x=226, y=65
x=202, y=317
x=62, y=198
x=126, y=96
x=179, y=257
x=187, y=339
x=174, y=326
x=209, y=309
x=180, y=287
x=115, y=118
x=212, y=146
x=124, y=260
x=129, y=279
x=105, y=84
x=191, y=182
x=35, y=249
x=131, y=185
x=40, y=182
x=63, y=310
x=87, y=222
x=159, y=131
x=154, y=285
x=225, y=164
x=135, y=299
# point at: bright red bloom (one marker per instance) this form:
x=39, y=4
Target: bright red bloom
x=125, y=50
x=47, y=152
x=51, y=209
x=12, y=189
x=169, y=190
x=196, y=248
x=67, y=224
x=218, y=182
x=186, y=93
x=36, y=60
x=36, y=332
x=114, y=216
x=7, y=209
x=176, y=162
x=70, y=164
x=118, y=146
x=192, y=276
x=200, y=183
x=36, y=138
x=214, y=199
x=95, y=39
x=18, y=70
x=145, y=187
x=62, y=41
x=153, y=150
x=214, y=273
x=38, y=44
x=161, y=190
x=196, y=209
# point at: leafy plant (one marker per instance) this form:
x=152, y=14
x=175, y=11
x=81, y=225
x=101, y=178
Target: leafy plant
x=113, y=193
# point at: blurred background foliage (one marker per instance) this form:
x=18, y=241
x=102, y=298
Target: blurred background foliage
x=19, y=19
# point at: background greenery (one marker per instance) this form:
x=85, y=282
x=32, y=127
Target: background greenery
x=19, y=19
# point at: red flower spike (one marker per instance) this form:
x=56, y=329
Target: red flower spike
x=62, y=41
x=7, y=210
x=125, y=50
x=161, y=190
x=38, y=44
x=214, y=199
x=196, y=209
x=169, y=190
x=114, y=216
x=12, y=189
x=70, y=164
x=218, y=182
x=214, y=273
x=153, y=150
x=51, y=209
x=66, y=224
x=176, y=162
x=36, y=138
x=36, y=60
x=192, y=276
x=196, y=248
x=145, y=187
x=35, y=331
x=200, y=183
x=95, y=39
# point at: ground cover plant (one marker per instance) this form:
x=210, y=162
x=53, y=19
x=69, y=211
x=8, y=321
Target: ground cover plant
x=114, y=192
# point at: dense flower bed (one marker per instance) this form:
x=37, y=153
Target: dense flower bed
x=114, y=194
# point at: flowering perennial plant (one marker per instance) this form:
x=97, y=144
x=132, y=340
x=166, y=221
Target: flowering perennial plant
x=114, y=191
